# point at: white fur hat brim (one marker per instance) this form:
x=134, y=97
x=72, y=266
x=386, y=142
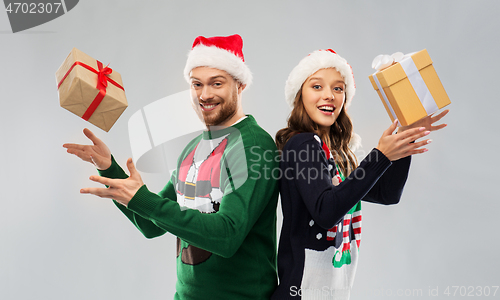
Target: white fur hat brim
x=320, y=59
x=214, y=57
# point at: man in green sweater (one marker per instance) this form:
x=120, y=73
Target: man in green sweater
x=221, y=200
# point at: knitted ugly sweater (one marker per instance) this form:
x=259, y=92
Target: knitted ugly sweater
x=223, y=211
x=321, y=232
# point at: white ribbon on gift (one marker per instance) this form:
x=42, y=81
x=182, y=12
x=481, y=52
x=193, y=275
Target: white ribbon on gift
x=383, y=61
x=385, y=97
x=417, y=82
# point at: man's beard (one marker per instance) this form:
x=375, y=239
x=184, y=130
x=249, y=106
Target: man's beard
x=226, y=110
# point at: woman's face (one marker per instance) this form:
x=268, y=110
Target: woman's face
x=323, y=94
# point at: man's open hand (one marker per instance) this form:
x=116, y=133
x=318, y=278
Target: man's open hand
x=97, y=154
x=121, y=190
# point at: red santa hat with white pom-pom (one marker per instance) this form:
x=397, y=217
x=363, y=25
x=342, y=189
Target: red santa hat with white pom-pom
x=317, y=60
x=219, y=52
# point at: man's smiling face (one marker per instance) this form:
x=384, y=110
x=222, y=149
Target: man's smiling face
x=215, y=95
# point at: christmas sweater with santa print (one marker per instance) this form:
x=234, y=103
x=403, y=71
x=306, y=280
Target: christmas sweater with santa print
x=221, y=204
x=321, y=232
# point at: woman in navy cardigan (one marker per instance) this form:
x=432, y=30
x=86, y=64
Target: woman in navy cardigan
x=321, y=183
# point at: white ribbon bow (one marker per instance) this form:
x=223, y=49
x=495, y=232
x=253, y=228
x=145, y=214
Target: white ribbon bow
x=383, y=61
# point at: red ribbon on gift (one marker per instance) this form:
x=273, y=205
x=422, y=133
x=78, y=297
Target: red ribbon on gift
x=102, y=84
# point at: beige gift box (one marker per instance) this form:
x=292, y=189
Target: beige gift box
x=81, y=83
x=411, y=89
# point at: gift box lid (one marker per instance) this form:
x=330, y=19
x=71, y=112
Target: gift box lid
x=395, y=73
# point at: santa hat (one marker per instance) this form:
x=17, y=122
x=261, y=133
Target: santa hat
x=219, y=52
x=317, y=60
x=320, y=59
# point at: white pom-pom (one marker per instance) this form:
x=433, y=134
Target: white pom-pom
x=355, y=142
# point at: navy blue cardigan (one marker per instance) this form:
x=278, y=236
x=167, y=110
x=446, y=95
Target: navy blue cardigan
x=307, y=193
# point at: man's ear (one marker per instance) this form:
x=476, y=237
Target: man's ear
x=241, y=87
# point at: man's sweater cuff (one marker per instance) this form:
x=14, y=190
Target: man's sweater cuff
x=113, y=171
x=144, y=202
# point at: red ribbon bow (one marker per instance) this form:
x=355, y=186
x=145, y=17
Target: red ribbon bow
x=102, y=75
x=102, y=84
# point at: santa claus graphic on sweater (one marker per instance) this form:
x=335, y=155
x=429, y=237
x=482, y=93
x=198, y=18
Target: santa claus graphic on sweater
x=199, y=188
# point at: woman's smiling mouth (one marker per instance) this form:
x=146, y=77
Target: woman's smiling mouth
x=327, y=109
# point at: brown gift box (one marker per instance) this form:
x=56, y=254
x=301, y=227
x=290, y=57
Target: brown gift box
x=402, y=96
x=78, y=90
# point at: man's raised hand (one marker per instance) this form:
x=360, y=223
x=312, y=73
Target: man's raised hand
x=97, y=154
x=121, y=190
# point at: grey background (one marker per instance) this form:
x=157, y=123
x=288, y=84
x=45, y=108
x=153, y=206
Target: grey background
x=58, y=244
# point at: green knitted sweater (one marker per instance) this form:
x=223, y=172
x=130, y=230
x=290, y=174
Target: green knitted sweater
x=221, y=204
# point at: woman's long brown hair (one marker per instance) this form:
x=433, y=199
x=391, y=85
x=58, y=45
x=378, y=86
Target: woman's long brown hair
x=337, y=141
